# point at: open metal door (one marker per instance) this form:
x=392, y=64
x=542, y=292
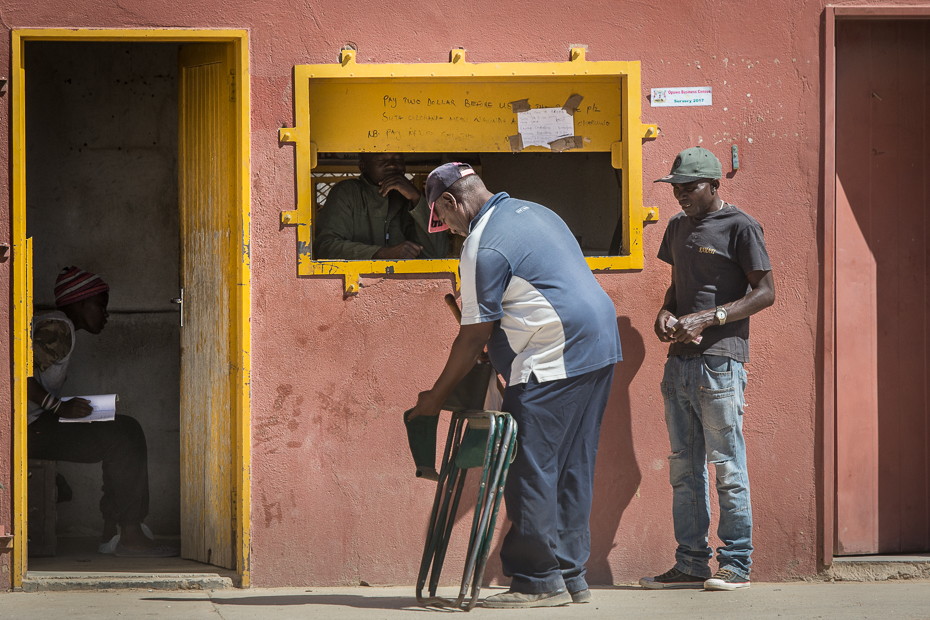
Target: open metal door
x=207, y=196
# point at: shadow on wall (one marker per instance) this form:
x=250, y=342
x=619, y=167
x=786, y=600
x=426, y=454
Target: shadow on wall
x=617, y=476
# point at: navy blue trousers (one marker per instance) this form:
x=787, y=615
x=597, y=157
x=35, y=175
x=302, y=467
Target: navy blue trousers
x=551, y=481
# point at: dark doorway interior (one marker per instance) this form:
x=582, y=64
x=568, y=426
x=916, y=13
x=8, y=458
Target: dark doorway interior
x=101, y=162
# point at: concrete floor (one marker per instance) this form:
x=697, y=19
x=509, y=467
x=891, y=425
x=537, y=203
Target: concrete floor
x=79, y=555
x=78, y=566
x=907, y=600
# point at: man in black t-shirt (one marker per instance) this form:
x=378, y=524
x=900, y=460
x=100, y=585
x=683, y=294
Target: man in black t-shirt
x=721, y=275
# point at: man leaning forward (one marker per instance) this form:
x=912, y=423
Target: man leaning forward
x=529, y=295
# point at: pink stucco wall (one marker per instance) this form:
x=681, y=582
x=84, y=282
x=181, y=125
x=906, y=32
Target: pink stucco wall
x=334, y=499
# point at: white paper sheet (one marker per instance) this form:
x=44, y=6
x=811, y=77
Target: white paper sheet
x=541, y=126
x=104, y=406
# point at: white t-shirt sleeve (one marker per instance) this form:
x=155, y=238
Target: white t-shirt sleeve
x=485, y=274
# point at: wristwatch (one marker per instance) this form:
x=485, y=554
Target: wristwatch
x=721, y=315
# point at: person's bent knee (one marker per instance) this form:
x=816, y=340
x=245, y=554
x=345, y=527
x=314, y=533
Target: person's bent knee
x=129, y=428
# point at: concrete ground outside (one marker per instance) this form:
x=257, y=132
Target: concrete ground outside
x=888, y=600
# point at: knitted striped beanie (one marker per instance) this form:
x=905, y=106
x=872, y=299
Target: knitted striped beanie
x=75, y=284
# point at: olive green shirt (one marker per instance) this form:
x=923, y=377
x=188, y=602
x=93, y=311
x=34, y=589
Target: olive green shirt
x=357, y=221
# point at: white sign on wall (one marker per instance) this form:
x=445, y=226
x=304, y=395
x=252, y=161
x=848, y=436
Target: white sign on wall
x=674, y=97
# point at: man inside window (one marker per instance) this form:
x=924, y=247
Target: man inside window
x=380, y=215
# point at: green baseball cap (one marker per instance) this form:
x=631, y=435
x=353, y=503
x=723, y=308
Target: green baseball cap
x=692, y=165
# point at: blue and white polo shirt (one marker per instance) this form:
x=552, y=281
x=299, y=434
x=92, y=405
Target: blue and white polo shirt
x=522, y=267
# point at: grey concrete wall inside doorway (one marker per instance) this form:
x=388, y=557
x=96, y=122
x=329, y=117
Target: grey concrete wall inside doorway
x=101, y=127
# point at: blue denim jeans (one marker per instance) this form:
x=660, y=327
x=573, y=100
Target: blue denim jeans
x=704, y=414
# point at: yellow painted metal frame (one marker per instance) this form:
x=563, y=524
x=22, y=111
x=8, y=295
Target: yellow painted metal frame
x=626, y=153
x=22, y=284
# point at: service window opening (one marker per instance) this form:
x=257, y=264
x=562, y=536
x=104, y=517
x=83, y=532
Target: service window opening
x=584, y=189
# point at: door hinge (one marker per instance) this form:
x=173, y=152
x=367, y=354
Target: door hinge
x=232, y=86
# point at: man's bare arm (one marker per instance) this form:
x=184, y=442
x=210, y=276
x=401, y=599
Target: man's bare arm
x=465, y=350
x=666, y=312
x=759, y=298
x=74, y=408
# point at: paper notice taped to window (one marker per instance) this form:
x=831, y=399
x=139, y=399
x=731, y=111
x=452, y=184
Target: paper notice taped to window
x=544, y=125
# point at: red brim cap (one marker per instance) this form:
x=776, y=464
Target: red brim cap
x=438, y=181
x=435, y=224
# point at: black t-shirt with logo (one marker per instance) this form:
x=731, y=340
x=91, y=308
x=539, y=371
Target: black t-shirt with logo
x=711, y=257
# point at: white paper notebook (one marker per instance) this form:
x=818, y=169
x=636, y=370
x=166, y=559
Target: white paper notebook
x=104, y=406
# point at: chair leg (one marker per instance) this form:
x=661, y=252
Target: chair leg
x=478, y=529
x=437, y=517
x=443, y=542
x=499, y=451
x=509, y=443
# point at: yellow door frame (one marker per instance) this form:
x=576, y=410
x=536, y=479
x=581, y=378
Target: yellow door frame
x=21, y=266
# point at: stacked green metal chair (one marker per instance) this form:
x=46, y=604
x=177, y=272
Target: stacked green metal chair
x=476, y=439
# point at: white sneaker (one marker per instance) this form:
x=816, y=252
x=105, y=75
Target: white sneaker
x=726, y=579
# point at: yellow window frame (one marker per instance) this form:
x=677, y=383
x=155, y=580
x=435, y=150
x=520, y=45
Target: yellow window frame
x=624, y=144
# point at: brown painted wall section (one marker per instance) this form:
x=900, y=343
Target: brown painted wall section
x=334, y=500
x=883, y=151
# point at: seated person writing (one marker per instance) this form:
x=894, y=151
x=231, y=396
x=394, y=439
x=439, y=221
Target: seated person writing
x=380, y=215
x=120, y=445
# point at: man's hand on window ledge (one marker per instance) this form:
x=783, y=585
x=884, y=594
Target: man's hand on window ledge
x=407, y=249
